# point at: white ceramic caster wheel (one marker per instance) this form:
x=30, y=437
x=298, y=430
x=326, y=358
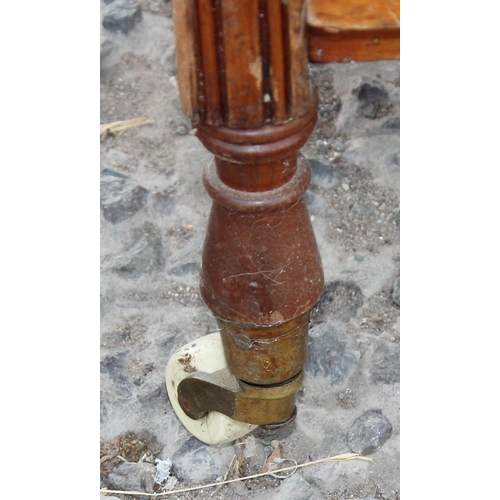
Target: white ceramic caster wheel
x=206, y=355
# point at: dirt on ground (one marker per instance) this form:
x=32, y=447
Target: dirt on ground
x=154, y=212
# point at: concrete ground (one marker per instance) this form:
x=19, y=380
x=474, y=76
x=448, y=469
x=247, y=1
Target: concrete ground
x=153, y=217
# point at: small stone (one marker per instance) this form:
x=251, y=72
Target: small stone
x=392, y=123
x=322, y=174
x=369, y=110
x=186, y=261
x=330, y=353
x=115, y=367
x=345, y=187
x=385, y=364
x=106, y=47
x=250, y=449
x=181, y=130
x=267, y=440
x=395, y=159
x=145, y=256
x=121, y=198
x=369, y=432
x=196, y=461
x=296, y=488
x=115, y=157
x=371, y=91
x=339, y=300
x=151, y=391
x=121, y=15
x=395, y=292
x=347, y=399
x=359, y=257
x=133, y=477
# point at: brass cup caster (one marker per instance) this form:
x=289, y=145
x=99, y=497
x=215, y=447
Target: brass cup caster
x=213, y=404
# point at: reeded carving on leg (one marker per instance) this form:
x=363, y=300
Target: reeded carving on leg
x=244, y=82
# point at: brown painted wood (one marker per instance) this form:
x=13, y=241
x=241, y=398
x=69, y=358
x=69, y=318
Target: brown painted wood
x=299, y=66
x=254, y=107
x=209, y=73
x=277, y=60
x=353, y=30
x=243, y=71
x=186, y=47
x=243, y=63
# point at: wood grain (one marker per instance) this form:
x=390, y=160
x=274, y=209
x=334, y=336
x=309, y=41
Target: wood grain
x=277, y=55
x=211, y=84
x=353, y=30
x=243, y=63
x=184, y=15
x=299, y=68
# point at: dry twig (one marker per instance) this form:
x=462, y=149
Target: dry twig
x=336, y=458
x=118, y=128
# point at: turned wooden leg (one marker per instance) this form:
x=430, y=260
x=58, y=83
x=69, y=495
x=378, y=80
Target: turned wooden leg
x=244, y=82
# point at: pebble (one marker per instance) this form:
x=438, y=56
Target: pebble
x=121, y=15
x=114, y=367
x=196, y=461
x=323, y=175
x=133, y=477
x=296, y=488
x=330, y=353
x=181, y=130
x=145, y=256
x=345, y=187
x=186, y=261
x=395, y=292
x=121, y=197
x=371, y=91
x=250, y=449
x=385, y=364
x=106, y=47
x=267, y=440
x=115, y=157
x=369, y=432
x=152, y=391
x=339, y=300
x=392, y=123
x=369, y=110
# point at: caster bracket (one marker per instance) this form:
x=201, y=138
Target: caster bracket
x=200, y=393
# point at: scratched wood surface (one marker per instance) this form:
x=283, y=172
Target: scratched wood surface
x=353, y=30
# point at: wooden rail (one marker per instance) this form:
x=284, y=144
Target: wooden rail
x=352, y=30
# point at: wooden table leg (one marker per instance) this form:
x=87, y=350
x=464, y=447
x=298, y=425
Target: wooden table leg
x=244, y=82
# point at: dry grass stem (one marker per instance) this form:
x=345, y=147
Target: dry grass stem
x=118, y=128
x=106, y=457
x=336, y=458
x=230, y=468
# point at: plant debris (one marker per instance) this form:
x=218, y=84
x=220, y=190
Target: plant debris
x=119, y=128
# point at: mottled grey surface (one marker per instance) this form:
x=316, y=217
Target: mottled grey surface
x=331, y=353
x=121, y=15
x=194, y=461
x=133, y=477
x=153, y=223
x=368, y=433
